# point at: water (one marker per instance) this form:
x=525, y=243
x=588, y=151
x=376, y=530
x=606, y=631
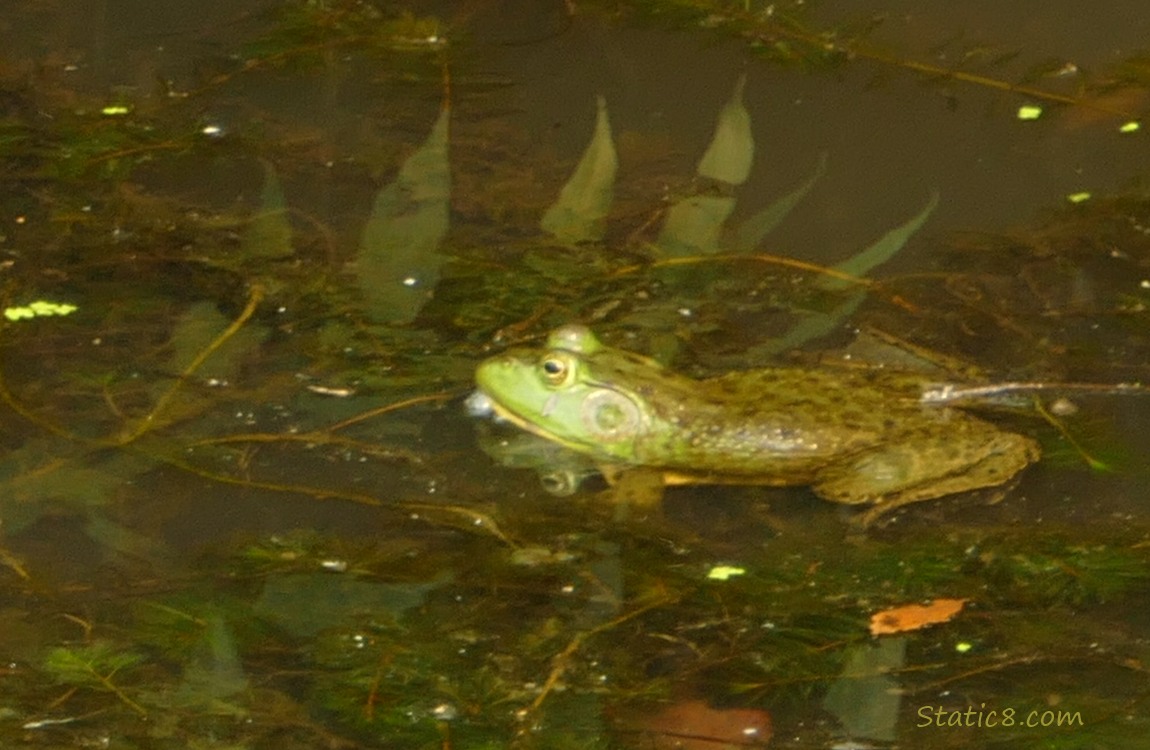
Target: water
x=243, y=502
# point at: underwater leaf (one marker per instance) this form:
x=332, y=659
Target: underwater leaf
x=732, y=150
x=398, y=264
x=694, y=225
x=196, y=329
x=46, y=477
x=914, y=616
x=94, y=666
x=305, y=604
x=865, y=698
x=269, y=234
x=33, y=486
x=88, y=665
x=116, y=537
x=695, y=725
x=752, y=231
x=215, y=672
x=580, y=214
x=815, y=325
x=881, y=250
x=1061, y=574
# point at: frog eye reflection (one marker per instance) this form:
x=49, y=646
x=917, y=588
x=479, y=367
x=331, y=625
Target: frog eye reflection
x=555, y=370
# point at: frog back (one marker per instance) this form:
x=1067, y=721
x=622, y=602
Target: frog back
x=780, y=423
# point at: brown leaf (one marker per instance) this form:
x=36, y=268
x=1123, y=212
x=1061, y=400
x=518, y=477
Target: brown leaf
x=693, y=725
x=914, y=616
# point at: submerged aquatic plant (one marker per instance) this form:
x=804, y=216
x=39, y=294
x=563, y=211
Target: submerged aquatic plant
x=97, y=666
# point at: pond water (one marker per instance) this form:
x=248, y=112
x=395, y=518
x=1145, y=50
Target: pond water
x=253, y=252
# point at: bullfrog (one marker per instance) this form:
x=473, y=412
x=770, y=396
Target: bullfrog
x=859, y=436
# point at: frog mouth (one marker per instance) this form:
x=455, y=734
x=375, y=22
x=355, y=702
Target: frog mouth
x=607, y=416
x=482, y=406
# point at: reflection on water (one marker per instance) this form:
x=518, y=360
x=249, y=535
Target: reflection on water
x=242, y=501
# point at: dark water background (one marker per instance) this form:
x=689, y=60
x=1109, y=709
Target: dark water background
x=242, y=505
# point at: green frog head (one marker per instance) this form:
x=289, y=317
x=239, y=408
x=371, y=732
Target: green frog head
x=576, y=391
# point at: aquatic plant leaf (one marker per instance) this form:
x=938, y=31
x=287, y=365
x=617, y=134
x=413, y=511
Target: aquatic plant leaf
x=46, y=476
x=580, y=213
x=398, y=263
x=752, y=231
x=88, y=665
x=694, y=225
x=865, y=698
x=1066, y=574
x=115, y=537
x=269, y=234
x=33, y=486
x=881, y=250
x=304, y=604
x=215, y=672
x=198, y=327
x=732, y=149
x=94, y=665
x=815, y=325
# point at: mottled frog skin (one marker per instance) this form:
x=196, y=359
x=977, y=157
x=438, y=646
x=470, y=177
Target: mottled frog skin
x=856, y=436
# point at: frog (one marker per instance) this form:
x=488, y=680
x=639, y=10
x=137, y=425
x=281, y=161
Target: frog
x=858, y=436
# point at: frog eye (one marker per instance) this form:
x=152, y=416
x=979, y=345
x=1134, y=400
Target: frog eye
x=555, y=369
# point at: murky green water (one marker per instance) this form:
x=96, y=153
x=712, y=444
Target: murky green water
x=252, y=253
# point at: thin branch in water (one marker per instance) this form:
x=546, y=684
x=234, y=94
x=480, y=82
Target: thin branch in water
x=415, y=400
x=477, y=519
x=562, y=660
x=778, y=260
x=317, y=437
x=1056, y=423
x=948, y=393
x=148, y=420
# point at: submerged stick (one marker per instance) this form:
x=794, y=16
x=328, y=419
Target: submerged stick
x=146, y=422
x=948, y=393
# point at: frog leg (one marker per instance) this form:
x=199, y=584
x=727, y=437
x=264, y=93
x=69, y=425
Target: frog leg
x=634, y=486
x=972, y=458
